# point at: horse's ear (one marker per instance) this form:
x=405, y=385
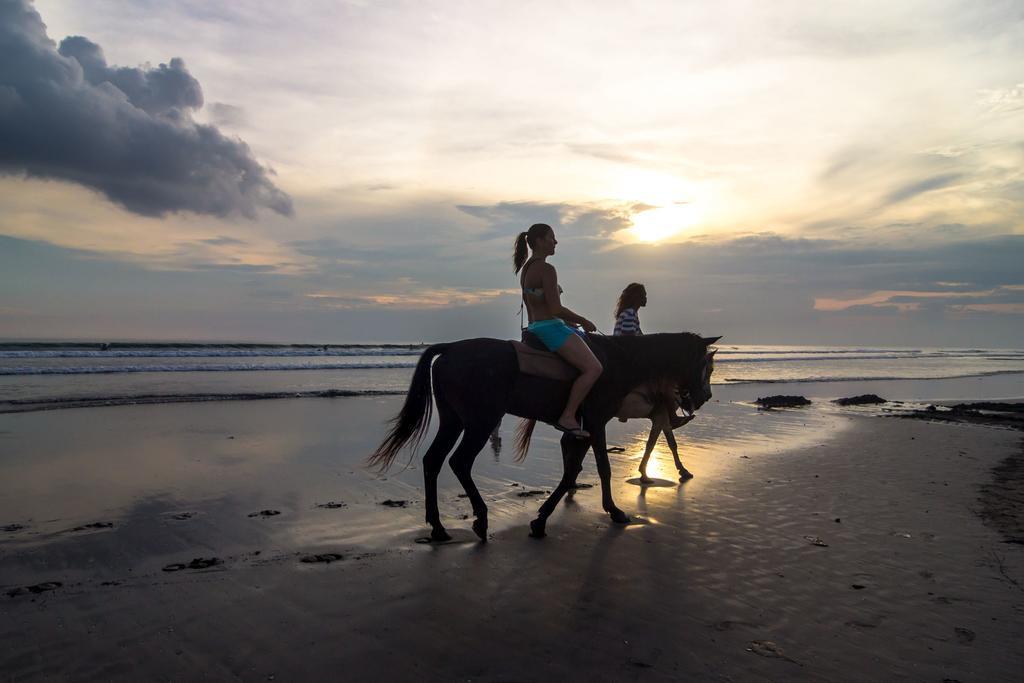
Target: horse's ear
x=708, y=341
x=711, y=354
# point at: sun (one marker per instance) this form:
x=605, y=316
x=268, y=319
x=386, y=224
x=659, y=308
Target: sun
x=661, y=222
x=660, y=205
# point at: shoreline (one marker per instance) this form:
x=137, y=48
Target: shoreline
x=717, y=579
x=997, y=386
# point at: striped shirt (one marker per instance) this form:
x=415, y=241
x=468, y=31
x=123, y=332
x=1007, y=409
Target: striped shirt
x=628, y=323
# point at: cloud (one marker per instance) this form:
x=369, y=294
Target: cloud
x=417, y=297
x=223, y=240
x=511, y=218
x=905, y=299
x=1003, y=100
x=1002, y=309
x=757, y=289
x=572, y=220
x=921, y=186
x=65, y=114
x=226, y=114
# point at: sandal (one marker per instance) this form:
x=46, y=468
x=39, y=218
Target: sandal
x=576, y=432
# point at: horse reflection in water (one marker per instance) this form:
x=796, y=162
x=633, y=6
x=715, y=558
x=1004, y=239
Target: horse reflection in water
x=477, y=381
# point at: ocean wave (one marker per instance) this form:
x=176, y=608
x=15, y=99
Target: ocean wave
x=205, y=367
x=867, y=378
x=824, y=350
x=214, y=352
x=734, y=354
x=794, y=356
x=96, y=401
x=799, y=357
x=32, y=405
x=200, y=345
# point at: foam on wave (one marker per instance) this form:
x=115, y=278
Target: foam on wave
x=205, y=367
x=32, y=405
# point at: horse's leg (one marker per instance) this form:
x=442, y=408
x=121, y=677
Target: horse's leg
x=573, y=452
x=604, y=471
x=652, y=440
x=433, y=460
x=684, y=473
x=462, y=463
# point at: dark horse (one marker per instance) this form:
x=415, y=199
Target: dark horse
x=477, y=381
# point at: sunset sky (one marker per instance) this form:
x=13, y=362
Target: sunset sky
x=784, y=172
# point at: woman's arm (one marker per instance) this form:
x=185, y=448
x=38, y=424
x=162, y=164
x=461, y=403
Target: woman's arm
x=553, y=298
x=572, y=317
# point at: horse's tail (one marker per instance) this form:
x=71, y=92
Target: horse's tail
x=412, y=421
x=524, y=432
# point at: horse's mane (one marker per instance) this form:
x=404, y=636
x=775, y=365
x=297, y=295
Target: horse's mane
x=649, y=350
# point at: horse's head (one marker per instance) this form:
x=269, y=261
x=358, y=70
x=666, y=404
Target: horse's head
x=695, y=384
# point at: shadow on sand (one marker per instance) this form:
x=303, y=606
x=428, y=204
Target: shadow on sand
x=637, y=481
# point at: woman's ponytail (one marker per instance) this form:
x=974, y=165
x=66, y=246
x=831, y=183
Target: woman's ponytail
x=519, y=257
x=527, y=239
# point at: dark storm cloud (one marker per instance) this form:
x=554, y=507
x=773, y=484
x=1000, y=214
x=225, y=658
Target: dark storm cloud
x=162, y=90
x=128, y=133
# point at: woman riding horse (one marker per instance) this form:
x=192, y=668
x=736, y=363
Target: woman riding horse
x=663, y=418
x=547, y=316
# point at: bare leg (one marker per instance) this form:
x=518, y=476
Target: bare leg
x=652, y=439
x=671, y=439
x=576, y=352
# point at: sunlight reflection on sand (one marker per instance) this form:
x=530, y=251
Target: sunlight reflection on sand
x=138, y=467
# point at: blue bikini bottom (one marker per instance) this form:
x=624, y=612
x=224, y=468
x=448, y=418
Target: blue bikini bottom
x=553, y=332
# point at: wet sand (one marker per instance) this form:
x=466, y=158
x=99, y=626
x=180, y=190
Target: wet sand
x=816, y=545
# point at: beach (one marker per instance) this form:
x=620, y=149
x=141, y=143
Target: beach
x=245, y=247
x=246, y=541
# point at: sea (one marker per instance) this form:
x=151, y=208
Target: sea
x=50, y=375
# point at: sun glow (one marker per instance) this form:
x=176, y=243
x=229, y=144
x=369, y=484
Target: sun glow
x=661, y=205
x=659, y=223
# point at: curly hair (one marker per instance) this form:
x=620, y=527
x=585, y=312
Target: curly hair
x=631, y=297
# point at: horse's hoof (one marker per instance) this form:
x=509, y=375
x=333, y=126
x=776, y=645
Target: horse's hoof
x=537, y=529
x=685, y=474
x=644, y=479
x=480, y=529
x=439, y=535
x=619, y=517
